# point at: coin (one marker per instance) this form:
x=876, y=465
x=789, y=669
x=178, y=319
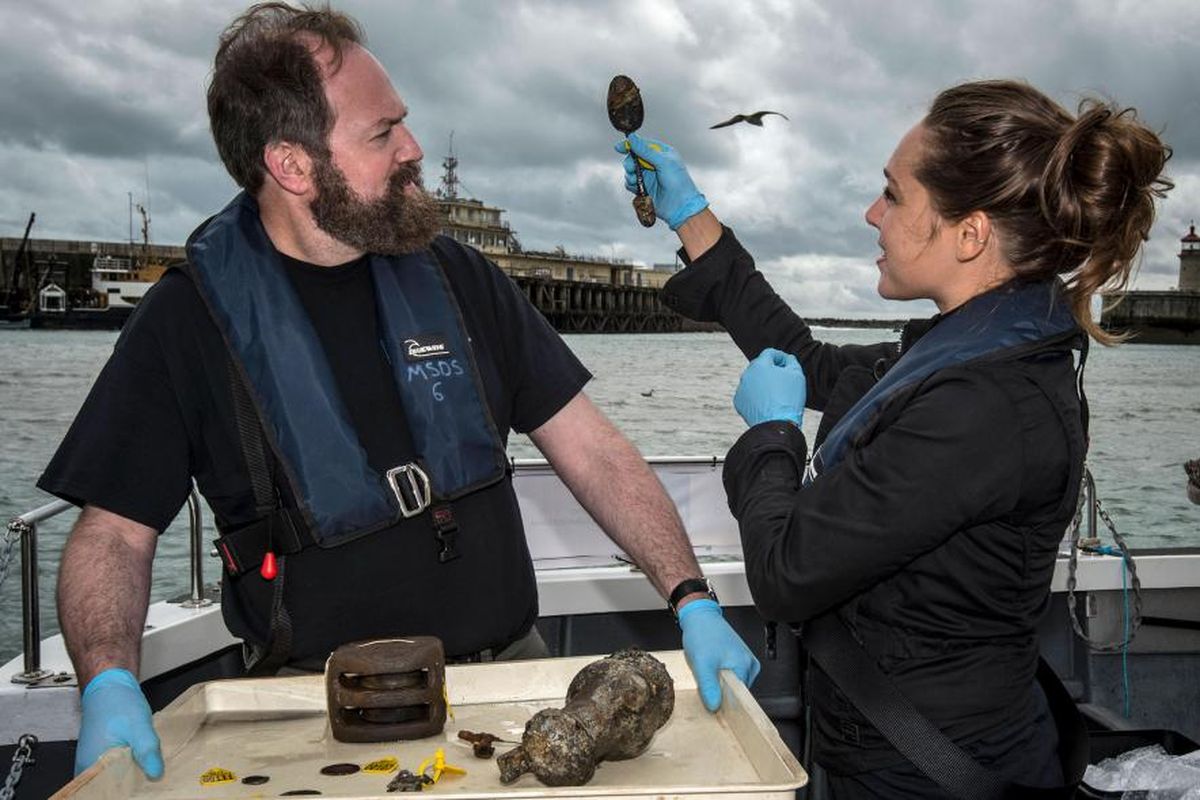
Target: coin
x=340, y=769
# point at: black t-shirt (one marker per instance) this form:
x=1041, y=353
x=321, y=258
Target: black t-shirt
x=161, y=413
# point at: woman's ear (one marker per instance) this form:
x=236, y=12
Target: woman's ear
x=974, y=233
x=289, y=165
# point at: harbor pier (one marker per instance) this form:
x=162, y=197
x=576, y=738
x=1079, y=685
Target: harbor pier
x=54, y=283
x=59, y=283
x=575, y=307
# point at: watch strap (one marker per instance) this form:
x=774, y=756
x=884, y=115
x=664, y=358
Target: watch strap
x=686, y=587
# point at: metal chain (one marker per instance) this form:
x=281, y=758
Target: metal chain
x=16, y=529
x=22, y=757
x=1136, y=617
x=1134, y=582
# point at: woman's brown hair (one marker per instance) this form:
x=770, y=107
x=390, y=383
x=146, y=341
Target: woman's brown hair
x=1069, y=195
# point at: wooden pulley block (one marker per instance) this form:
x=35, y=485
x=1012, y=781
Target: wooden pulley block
x=387, y=689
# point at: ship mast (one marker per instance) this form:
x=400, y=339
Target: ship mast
x=145, y=234
x=449, y=187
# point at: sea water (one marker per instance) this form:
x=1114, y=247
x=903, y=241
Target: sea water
x=672, y=396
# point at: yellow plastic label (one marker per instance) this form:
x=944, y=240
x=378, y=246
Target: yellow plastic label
x=381, y=766
x=437, y=765
x=216, y=776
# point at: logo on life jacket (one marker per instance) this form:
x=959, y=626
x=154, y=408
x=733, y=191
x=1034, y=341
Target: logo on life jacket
x=425, y=346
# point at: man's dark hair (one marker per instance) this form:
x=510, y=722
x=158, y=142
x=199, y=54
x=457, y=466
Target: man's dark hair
x=266, y=85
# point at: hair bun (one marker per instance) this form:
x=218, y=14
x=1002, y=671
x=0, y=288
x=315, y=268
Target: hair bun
x=1102, y=177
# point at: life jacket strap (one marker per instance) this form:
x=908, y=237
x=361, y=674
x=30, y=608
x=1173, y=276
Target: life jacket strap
x=279, y=645
x=282, y=532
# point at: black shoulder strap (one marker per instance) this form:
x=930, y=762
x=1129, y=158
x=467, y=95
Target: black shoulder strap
x=275, y=528
x=268, y=508
x=253, y=450
x=872, y=692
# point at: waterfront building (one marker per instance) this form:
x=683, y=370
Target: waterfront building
x=483, y=227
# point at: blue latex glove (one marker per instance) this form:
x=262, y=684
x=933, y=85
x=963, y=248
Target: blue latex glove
x=116, y=714
x=667, y=182
x=711, y=645
x=772, y=387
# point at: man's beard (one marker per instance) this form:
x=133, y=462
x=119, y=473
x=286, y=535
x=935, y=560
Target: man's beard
x=399, y=222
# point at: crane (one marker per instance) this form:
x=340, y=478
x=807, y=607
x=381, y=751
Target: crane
x=13, y=284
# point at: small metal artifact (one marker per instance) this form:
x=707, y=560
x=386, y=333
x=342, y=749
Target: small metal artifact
x=482, y=744
x=386, y=689
x=625, y=112
x=613, y=708
x=406, y=781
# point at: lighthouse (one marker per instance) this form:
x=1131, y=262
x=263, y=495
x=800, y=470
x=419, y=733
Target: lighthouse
x=1189, y=261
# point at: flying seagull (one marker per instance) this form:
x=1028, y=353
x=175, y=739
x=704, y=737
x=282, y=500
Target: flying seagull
x=753, y=119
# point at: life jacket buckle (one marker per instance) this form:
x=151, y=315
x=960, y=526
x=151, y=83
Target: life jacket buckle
x=410, y=484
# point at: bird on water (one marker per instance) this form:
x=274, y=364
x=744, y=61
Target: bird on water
x=1192, y=468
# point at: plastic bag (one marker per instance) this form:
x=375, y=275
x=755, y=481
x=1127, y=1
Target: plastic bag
x=1149, y=769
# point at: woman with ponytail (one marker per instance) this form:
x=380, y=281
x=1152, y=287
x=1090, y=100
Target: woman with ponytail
x=915, y=548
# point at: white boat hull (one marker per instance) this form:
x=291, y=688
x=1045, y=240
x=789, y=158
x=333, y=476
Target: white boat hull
x=580, y=574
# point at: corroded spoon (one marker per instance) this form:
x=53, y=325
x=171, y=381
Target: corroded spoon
x=625, y=112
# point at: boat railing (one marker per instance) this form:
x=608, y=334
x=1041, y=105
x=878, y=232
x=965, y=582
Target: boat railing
x=1089, y=502
x=25, y=528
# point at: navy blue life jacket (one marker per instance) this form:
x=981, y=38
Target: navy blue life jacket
x=282, y=364
x=1014, y=315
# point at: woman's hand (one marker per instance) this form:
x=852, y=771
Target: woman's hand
x=666, y=179
x=773, y=387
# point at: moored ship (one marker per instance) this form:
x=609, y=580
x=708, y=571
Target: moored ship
x=117, y=286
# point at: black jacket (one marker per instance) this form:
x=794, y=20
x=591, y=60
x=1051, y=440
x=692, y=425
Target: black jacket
x=935, y=538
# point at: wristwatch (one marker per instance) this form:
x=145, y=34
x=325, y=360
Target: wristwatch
x=686, y=587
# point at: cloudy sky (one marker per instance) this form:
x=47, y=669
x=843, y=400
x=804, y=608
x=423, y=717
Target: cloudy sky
x=103, y=98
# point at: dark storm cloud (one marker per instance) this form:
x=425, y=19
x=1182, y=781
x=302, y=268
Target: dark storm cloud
x=104, y=79
x=96, y=95
x=59, y=116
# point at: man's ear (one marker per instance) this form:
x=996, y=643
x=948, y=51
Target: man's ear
x=289, y=165
x=974, y=232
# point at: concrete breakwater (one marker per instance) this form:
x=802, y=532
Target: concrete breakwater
x=1167, y=317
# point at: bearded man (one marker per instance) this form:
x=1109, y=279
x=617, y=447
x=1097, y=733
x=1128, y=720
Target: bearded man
x=340, y=383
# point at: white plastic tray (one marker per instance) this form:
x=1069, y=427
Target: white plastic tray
x=278, y=727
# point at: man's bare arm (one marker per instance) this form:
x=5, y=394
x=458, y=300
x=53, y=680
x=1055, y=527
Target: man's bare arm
x=104, y=590
x=612, y=481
